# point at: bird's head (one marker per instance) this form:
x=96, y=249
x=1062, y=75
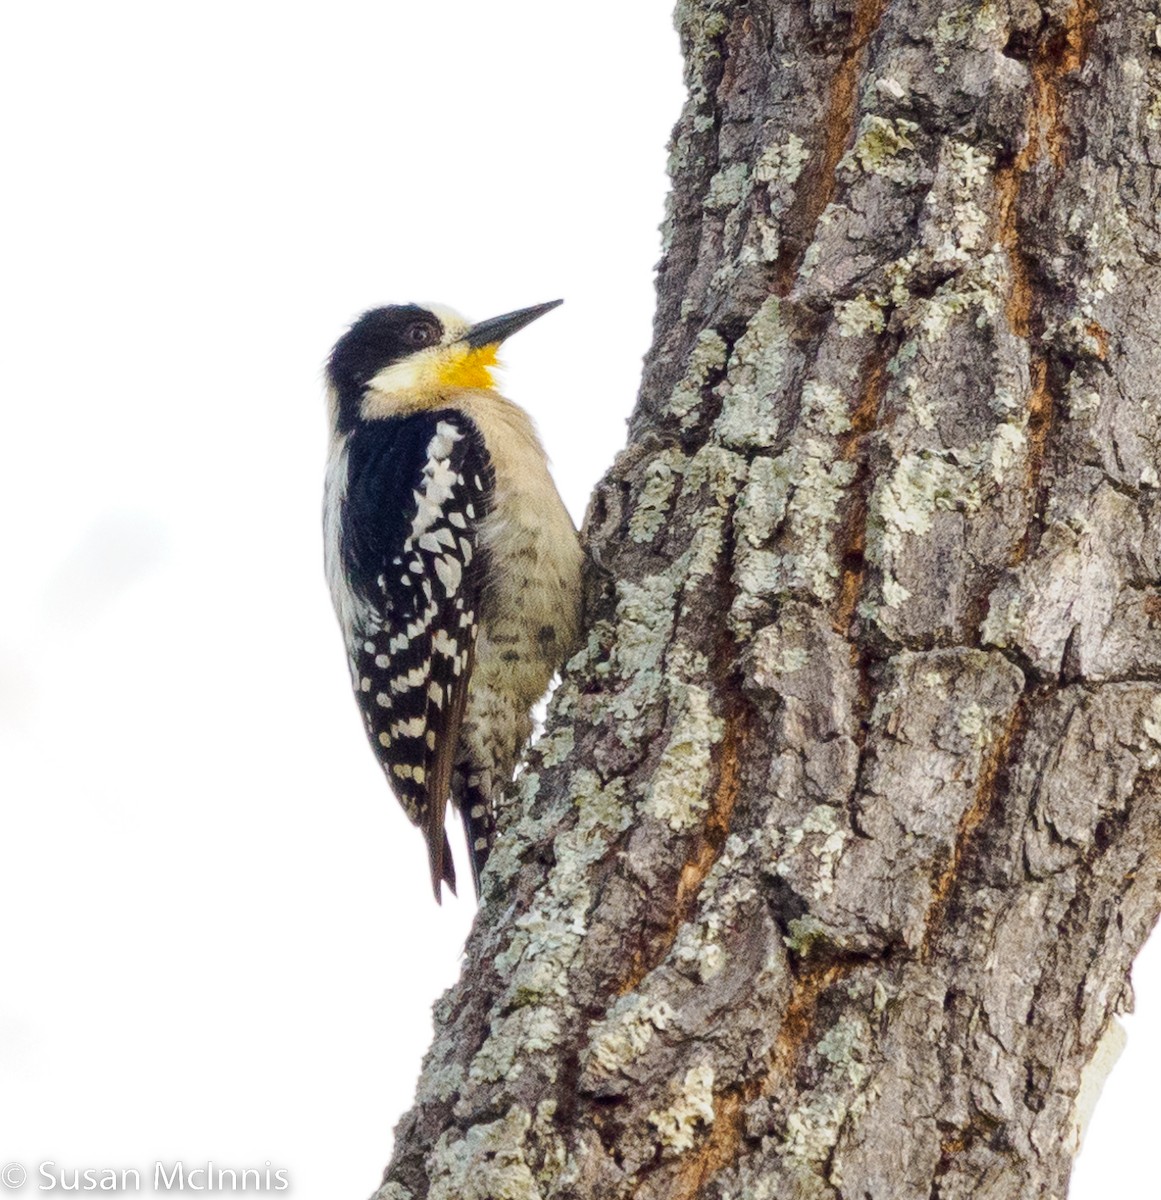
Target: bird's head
x=407, y=356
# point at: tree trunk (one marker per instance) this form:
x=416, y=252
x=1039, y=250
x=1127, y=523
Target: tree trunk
x=827, y=874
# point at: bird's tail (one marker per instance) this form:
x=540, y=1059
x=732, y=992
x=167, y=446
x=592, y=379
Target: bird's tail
x=442, y=868
x=474, y=800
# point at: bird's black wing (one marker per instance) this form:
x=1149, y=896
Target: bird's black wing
x=418, y=489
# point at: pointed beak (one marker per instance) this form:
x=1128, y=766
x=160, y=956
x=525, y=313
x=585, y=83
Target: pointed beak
x=494, y=330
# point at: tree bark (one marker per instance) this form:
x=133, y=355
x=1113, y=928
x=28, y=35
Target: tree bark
x=827, y=873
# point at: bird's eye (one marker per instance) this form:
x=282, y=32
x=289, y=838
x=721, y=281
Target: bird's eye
x=420, y=333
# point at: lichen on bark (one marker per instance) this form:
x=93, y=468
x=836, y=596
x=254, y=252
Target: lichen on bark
x=827, y=873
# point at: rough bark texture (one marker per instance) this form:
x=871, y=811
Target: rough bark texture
x=827, y=874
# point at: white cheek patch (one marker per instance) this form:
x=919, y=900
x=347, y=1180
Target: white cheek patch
x=415, y=373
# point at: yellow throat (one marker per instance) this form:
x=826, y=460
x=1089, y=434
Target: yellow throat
x=469, y=367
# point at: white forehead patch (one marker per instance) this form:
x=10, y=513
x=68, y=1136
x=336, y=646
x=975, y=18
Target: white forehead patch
x=454, y=324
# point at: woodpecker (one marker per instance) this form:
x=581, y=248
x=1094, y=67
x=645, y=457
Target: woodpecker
x=454, y=567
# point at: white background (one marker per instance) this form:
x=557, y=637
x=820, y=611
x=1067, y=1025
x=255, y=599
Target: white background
x=217, y=938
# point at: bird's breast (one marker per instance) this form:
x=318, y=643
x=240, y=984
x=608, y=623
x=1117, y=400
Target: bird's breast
x=530, y=612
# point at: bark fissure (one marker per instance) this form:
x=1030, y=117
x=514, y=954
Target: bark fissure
x=993, y=781
x=851, y=543
x=1058, y=52
x=817, y=184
